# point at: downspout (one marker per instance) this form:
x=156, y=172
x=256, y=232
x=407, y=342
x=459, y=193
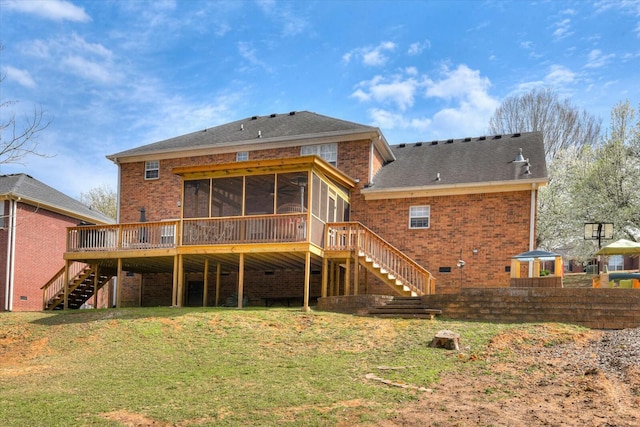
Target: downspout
x=11, y=247
x=532, y=220
x=371, y=153
x=114, y=290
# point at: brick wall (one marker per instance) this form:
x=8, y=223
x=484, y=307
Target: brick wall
x=496, y=224
x=40, y=245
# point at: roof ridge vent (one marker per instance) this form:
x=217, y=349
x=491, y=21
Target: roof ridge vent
x=449, y=141
x=497, y=137
x=482, y=138
x=435, y=142
x=292, y=113
x=467, y=139
x=273, y=115
x=418, y=144
x=254, y=118
x=515, y=135
x=401, y=145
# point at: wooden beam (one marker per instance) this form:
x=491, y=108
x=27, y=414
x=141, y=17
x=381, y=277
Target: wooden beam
x=66, y=284
x=218, y=278
x=206, y=283
x=174, y=288
x=325, y=279
x=356, y=274
x=240, y=280
x=347, y=277
x=307, y=278
x=119, y=285
x=96, y=279
x=180, y=296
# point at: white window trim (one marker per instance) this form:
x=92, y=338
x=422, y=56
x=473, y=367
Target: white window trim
x=151, y=166
x=420, y=212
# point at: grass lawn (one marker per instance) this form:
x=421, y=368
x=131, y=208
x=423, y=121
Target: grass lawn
x=223, y=367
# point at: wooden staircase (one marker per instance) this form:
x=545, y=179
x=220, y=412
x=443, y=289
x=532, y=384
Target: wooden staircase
x=81, y=287
x=405, y=308
x=390, y=265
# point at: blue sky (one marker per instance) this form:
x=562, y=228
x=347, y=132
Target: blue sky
x=113, y=75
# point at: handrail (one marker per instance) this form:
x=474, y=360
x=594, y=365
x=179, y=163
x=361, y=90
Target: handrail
x=354, y=236
x=140, y=235
x=56, y=284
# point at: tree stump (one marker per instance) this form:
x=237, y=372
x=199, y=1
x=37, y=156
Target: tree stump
x=446, y=339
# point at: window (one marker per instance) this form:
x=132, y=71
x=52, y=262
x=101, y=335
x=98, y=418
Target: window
x=419, y=216
x=152, y=169
x=328, y=152
x=242, y=156
x=616, y=262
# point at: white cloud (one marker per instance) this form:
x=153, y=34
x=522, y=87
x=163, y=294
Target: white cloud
x=559, y=75
x=398, y=90
x=22, y=77
x=372, y=56
x=417, y=47
x=563, y=29
x=596, y=59
x=55, y=10
x=90, y=70
x=291, y=23
x=385, y=119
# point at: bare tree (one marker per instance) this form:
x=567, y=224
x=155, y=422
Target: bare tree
x=18, y=141
x=102, y=199
x=562, y=124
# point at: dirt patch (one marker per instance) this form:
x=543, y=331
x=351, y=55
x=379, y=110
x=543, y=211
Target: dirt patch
x=549, y=378
x=130, y=419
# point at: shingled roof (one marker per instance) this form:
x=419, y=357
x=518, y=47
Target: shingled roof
x=467, y=161
x=34, y=192
x=256, y=129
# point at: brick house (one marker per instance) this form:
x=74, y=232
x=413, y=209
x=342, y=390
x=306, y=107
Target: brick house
x=33, y=238
x=289, y=207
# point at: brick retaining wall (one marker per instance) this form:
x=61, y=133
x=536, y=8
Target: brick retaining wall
x=600, y=308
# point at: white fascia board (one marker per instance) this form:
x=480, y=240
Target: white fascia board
x=453, y=189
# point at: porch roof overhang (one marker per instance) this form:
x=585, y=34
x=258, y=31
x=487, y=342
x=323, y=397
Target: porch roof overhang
x=452, y=189
x=253, y=167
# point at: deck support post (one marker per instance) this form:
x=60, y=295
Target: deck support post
x=96, y=279
x=218, y=276
x=325, y=279
x=347, y=277
x=174, y=288
x=140, y=286
x=119, y=284
x=337, y=277
x=240, y=280
x=206, y=282
x=356, y=275
x=66, y=284
x=180, y=296
x=307, y=278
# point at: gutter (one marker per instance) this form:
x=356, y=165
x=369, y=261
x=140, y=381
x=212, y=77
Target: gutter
x=11, y=247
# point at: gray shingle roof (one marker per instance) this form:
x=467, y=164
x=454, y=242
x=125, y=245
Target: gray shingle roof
x=463, y=161
x=33, y=191
x=299, y=123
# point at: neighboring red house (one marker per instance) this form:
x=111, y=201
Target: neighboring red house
x=33, y=238
x=278, y=208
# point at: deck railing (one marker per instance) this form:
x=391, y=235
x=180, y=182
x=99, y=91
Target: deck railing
x=56, y=284
x=355, y=237
x=208, y=231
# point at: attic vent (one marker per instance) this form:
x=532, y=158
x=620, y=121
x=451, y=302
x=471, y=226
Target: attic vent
x=259, y=134
x=418, y=144
x=242, y=126
x=401, y=146
x=254, y=118
x=292, y=113
x=449, y=141
x=467, y=139
x=434, y=142
x=273, y=115
x=482, y=138
x=497, y=137
x=516, y=135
